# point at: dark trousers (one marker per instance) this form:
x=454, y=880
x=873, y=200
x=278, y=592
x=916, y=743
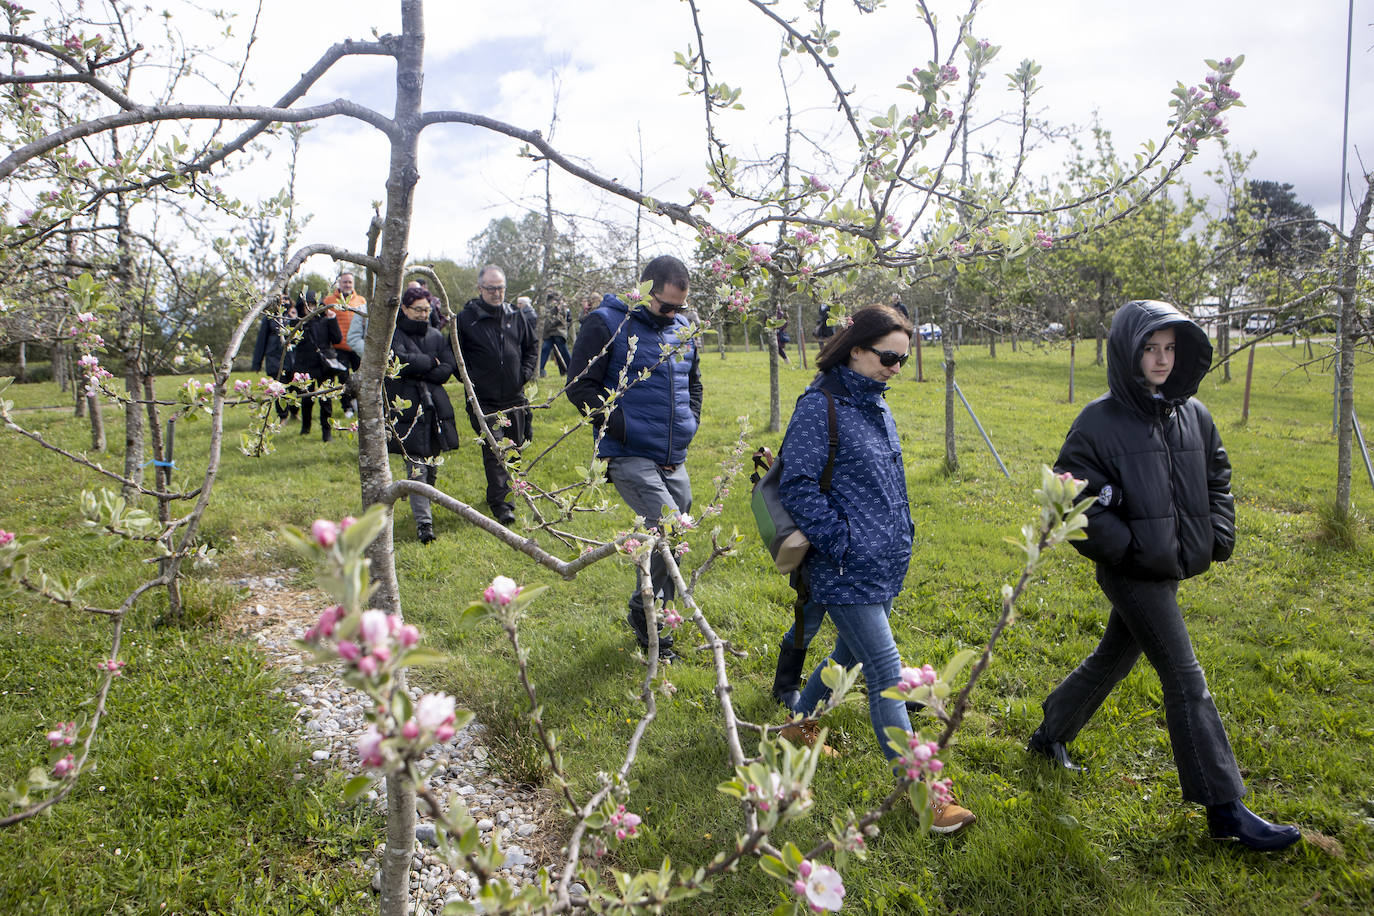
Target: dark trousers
x=498, y=477
x=419, y=504
x=326, y=409
x=352, y=361
x=1146, y=618
x=558, y=346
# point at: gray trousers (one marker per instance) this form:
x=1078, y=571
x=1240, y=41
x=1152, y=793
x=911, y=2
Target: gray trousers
x=647, y=488
x=419, y=505
x=1146, y=618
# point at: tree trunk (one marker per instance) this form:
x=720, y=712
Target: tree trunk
x=1350, y=331
x=1224, y=336
x=61, y=366
x=162, y=476
x=22, y=375
x=373, y=466
x=97, y=421
x=130, y=344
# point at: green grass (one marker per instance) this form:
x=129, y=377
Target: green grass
x=1283, y=631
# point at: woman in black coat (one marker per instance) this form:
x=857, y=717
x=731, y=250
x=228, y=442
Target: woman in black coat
x=1151, y=454
x=425, y=427
x=271, y=354
x=313, y=354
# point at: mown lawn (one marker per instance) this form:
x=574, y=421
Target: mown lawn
x=1283, y=630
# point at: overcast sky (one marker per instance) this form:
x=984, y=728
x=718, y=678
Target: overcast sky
x=618, y=87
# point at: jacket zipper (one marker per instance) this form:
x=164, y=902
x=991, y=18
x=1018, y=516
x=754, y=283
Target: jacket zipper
x=1173, y=496
x=672, y=395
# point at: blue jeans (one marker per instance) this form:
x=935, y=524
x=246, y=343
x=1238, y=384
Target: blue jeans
x=558, y=347
x=864, y=637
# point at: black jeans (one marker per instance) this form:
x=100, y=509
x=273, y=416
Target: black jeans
x=498, y=476
x=1146, y=618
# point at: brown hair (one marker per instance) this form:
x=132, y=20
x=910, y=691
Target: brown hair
x=866, y=326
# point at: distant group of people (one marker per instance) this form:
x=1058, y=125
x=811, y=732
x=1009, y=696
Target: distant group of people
x=308, y=339
x=314, y=347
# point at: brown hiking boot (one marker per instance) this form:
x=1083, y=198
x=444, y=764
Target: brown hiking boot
x=950, y=818
x=807, y=733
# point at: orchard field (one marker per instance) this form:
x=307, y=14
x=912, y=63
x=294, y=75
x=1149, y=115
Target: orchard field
x=196, y=805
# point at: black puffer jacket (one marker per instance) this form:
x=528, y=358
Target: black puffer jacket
x=319, y=334
x=426, y=363
x=1157, y=464
x=500, y=350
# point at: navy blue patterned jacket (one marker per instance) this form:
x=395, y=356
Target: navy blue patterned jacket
x=860, y=531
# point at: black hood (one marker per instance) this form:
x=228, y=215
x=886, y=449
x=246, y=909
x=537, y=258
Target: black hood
x=1132, y=326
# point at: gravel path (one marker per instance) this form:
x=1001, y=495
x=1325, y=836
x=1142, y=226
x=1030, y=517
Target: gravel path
x=330, y=717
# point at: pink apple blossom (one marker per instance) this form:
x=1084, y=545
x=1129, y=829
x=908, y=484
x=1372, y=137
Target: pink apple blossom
x=823, y=889
x=502, y=591
x=349, y=650
x=374, y=629
x=368, y=665
x=5, y=537
x=325, y=532
x=433, y=710
x=370, y=747
x=64, y=734
x=64, y=766
x=408, y=636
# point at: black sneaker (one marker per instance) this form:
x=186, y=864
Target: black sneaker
x=665, y=640
x=425, y=533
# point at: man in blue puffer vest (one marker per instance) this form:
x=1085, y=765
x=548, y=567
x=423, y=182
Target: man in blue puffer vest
x=645, y=434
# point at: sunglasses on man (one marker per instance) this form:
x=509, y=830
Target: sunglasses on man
x=888, y=358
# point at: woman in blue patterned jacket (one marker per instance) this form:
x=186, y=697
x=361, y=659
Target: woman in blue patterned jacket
x=860, y=528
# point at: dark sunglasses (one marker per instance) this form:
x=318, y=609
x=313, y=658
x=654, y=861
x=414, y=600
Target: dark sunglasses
x=667, y=307
x=889, y=358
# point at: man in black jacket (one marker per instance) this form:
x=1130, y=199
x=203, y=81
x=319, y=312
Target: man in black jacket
x=500, y=350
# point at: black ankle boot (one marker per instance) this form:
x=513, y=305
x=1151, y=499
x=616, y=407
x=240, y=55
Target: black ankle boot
x=1054, y=751
x=787, y=681
x=1233, y=820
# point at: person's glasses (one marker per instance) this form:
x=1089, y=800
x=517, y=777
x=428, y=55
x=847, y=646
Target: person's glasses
x=667, y=307
x=494, y=289
x=889, y=358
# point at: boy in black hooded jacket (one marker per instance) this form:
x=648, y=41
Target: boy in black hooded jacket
x=1151, y=453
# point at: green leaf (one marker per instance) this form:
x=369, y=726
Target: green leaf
x=355, y=787
x=957, y=663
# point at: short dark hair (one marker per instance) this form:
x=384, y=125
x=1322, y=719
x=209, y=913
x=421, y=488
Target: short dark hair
x=865, y=326
x=413, y=295
x=665, y=270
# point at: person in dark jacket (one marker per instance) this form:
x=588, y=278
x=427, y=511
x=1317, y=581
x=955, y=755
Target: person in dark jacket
x=425, y=428
x=1151, y=454
x=645, y=436
x=500, y=351
x=316, y=357
x=271, y=353
x=860, y=529
x=556, y=321
x=824, y=329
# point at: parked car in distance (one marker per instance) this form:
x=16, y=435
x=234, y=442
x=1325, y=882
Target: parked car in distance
x=1259, y=323
x=1053, y=330
x=930, y=331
